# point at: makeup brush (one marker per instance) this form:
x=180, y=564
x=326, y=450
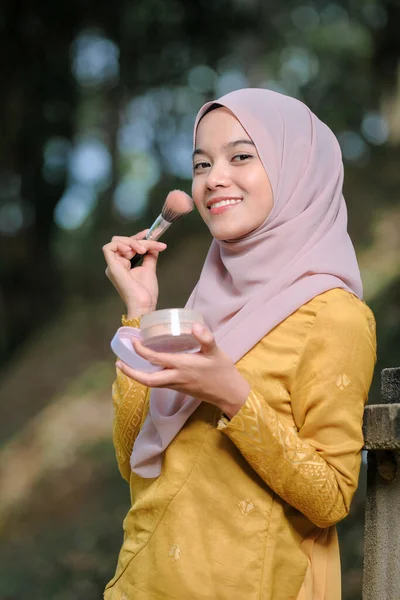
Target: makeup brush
x=176, y=205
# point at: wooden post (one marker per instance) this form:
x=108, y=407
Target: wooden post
x=381, y=575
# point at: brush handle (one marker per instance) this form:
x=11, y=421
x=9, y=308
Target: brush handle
x=136, y=259
x=159, y=226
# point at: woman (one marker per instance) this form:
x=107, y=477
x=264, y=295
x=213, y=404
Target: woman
x=245, y=455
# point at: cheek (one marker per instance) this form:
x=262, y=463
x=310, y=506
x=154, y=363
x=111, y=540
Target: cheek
x=197, y=193
x=262, y=190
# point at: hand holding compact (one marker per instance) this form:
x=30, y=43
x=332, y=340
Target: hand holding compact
x=208, y=375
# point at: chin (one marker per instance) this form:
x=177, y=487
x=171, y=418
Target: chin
x=227, y=235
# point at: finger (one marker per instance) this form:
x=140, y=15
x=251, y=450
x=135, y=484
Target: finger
x=164, y=359
x=141, y=235
x=115, y=247
x=123, y=259
x=205, y=337
x=119, y=267
x=119, y=253
x=150, y=251
x=117, y=256
x=123, y=252
x=117, y=240
x=138, y=246
x=127, y=238
x=109, y=251
x=109, y=248
x=147, y=245
x=150, y=260
x=164, y=378
x=135, y=246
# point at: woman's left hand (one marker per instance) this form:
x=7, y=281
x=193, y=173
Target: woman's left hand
x=208, y=375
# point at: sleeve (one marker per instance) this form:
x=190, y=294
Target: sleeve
x=130, y=400
x=314, y=465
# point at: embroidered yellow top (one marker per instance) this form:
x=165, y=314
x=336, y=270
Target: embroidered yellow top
x=246, y=508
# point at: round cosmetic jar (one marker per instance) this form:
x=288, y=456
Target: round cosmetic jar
x=170, y=330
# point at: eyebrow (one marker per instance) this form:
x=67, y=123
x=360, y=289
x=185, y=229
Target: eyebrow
x=226, y=146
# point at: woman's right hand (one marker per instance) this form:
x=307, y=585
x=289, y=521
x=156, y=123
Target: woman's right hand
x=138, y=287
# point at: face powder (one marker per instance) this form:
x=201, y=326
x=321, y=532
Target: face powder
x=170, y=330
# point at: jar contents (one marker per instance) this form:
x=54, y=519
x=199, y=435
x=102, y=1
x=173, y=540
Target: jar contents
x=170, y=330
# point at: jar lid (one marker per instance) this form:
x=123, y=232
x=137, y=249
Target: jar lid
x=121, y=345
x=173, y=317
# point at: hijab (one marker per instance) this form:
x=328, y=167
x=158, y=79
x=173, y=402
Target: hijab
x=249, y=286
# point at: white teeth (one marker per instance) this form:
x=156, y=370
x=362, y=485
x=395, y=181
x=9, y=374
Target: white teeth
x=225, y=203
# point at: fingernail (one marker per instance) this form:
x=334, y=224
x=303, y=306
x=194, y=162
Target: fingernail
x=198, y=328
x=118, y=364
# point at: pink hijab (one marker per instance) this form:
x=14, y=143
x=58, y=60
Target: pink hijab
x=303, y=249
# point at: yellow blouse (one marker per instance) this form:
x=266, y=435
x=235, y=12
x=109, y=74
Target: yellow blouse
x=246, y=509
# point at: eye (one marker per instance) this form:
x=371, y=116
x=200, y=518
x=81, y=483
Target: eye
x=200, y=166
x=241, y=157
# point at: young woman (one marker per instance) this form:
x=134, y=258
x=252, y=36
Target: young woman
x=243, y=457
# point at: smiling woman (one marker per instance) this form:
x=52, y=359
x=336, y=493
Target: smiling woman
x=242, y=457
x=229, y=178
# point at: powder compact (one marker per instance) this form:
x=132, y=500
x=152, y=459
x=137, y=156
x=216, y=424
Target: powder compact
x=170, y=330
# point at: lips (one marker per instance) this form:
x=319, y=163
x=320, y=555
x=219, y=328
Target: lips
x=222, y=202
x=222, y=207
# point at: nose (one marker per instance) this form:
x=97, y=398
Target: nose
x=218, y=176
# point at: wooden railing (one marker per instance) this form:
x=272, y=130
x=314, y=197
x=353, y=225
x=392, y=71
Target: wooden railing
x=381, y=575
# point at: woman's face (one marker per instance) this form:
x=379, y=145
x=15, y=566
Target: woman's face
x=230, y=187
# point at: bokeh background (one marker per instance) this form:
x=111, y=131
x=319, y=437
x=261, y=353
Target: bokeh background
x=97, y=102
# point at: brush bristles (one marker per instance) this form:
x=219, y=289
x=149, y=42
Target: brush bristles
x=171, y=215
x=176, y=205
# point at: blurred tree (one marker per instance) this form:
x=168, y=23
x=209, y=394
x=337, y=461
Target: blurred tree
x=60, y=84
x=42, y=106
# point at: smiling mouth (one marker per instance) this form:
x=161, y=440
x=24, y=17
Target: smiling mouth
x=223, y=203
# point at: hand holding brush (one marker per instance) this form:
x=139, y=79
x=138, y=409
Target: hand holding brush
x=176, y=205
x=138, y=287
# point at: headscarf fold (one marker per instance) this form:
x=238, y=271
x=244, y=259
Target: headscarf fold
x=249, y=286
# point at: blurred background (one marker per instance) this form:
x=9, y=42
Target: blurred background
x=97, y=102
